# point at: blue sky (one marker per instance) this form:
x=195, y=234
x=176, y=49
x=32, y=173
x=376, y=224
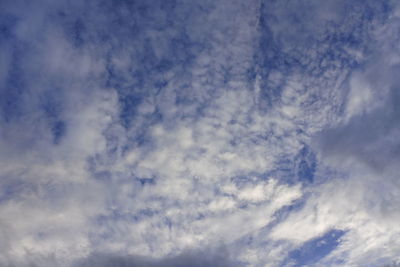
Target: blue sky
x=199, y=133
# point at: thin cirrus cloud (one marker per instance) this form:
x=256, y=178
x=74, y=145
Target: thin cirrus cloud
x=199, y=133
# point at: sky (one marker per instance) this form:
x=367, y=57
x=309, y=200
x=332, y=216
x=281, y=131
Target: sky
x=175, y=133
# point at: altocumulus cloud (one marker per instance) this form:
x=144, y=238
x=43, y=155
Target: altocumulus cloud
x=199, y=133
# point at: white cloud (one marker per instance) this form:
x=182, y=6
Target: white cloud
x=200, y=160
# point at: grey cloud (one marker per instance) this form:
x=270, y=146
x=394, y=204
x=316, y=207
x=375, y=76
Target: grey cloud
x=218, y=258
x=369, y=135
x=370, y=138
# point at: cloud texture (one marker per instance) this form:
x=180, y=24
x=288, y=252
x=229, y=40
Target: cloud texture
x=199, y=133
